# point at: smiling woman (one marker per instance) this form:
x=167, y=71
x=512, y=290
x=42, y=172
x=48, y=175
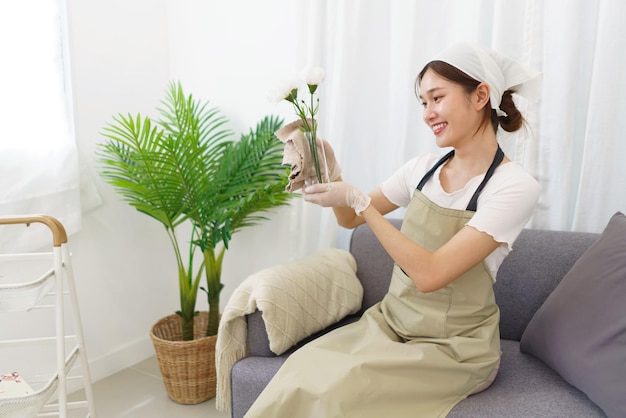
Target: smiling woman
x=38, y=158
x=433, y=337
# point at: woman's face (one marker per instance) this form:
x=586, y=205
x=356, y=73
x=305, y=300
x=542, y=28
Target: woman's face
x=448, y=110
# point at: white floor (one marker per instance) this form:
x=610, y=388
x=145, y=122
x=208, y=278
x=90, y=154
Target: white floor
x=138, y=392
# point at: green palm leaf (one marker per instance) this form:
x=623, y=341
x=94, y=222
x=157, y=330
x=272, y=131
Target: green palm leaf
x=186, y=167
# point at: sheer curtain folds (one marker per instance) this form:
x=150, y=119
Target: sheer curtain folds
x=372, y=52
x=38, y=156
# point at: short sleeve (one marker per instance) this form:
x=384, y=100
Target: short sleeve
x=400, y=186
x=506, y=204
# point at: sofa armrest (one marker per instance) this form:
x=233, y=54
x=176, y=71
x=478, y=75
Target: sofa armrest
x=258, y=340
x=259, y=343
x=297, y=299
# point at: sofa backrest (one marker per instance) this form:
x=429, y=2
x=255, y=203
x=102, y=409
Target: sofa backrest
x=531, y=271
x=538, y=262
x=373, y=264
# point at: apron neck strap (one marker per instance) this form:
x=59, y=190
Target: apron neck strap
x=473, y=203
x=430, y=172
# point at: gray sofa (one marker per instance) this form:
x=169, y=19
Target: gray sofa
x=525, y=386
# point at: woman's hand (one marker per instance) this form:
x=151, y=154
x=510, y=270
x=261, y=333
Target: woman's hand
x=338, y=195
x=334, y=170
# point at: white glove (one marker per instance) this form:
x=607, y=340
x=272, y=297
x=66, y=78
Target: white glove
x=337, y=195
x=334, y=170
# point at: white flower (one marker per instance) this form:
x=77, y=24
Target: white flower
x=283, y=90
x=314, y=76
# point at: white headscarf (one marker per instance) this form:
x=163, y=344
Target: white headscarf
x=500, y=72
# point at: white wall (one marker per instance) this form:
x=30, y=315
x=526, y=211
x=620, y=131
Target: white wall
x=123, y=54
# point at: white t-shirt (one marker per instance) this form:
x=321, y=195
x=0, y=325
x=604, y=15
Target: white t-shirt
x=504, y=206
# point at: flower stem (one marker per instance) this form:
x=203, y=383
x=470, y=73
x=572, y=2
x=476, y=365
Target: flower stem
x=313, y=141
x=310, y=130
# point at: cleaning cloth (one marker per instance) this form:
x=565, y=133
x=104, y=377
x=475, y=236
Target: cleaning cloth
x=297, y=155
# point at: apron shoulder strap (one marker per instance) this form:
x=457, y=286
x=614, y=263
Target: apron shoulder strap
x=430, y=172
x=473, y=203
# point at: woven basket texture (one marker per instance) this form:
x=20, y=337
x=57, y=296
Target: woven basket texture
x=187, y=367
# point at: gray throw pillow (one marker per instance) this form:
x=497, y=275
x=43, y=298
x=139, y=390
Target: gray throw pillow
x=580, y=330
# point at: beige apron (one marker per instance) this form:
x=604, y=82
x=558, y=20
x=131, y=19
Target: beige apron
x=411, y=355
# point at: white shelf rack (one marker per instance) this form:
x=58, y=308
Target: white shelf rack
x=50, y=291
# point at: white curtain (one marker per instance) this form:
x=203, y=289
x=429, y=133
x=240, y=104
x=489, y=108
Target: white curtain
x=582, y=125
x=574, y=146
x=38, y=155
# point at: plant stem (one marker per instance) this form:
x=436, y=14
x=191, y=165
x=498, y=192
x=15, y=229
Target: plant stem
x=187, y=328
x=309, y=130
x=311, y=139
x=313, y=142
x=213, y=269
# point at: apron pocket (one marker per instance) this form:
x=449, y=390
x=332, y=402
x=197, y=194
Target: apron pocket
x=413, y=314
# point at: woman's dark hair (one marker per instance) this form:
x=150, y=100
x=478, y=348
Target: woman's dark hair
x=510, y=123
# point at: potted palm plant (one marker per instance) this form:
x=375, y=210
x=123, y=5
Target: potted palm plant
x=186, y=171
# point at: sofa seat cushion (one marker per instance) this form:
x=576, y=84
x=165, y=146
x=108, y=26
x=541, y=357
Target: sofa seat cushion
x=250, y=375
x=526, y=387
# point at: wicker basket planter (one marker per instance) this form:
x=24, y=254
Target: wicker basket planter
x=187, y=367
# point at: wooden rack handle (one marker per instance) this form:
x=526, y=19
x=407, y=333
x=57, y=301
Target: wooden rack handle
x=59, y=236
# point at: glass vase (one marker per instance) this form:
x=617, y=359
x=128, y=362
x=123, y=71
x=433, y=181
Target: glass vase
x=315, y=166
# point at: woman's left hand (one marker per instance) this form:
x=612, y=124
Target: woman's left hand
x=337, y=194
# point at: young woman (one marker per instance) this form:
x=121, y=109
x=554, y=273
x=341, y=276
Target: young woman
x=433, y=340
